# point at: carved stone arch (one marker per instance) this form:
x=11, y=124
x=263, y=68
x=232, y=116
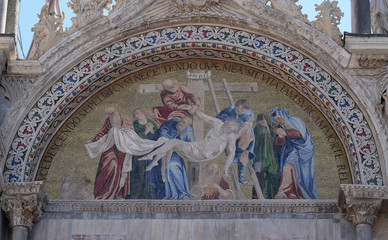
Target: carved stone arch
x=249, y=45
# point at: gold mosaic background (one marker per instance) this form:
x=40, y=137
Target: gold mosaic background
x=72, y=158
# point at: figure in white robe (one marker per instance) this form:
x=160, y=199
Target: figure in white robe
x=220, y=137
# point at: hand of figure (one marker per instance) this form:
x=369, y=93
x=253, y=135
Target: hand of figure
x=184, y=107
x=90, y=141
x=226, y=173
x=193, y=109
x=149, y=127
x=281, y=132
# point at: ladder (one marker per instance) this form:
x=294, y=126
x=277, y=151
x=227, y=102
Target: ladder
x=236, y=182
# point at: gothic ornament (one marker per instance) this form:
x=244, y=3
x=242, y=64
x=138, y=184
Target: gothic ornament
x=328, y=19
x=87, y=11
x=289, y=7
x=48, y=31
x=193, y=5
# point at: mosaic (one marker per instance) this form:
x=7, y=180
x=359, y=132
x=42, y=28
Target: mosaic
x=194, y=42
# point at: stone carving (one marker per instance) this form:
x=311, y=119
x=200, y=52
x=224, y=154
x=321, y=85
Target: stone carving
x=217, y=207
x=48, y=31
x=119, y=4
x=328, y=19
x=54, y=7
x=87, y=11
x=362, y=211
x=361, y=202
x=194, y=5
x=370, y=62
x=379, y=16
x=23, y=202
x=384, y=110
x=75, y=187
x=289, y=7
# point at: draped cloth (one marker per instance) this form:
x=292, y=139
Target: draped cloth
x=299, y=153
x=115, y=143
x=141, y=188
x=170, y=176
x=126, y=140
x=204, y=150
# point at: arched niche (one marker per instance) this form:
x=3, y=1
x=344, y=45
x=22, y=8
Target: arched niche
x=162, y=45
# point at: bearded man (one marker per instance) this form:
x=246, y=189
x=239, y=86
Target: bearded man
x=111, y=182
x=179, y=101
x=116, y=142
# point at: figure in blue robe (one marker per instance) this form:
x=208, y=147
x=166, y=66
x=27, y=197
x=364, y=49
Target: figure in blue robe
x=176, y=185
x=245, y=142
x=296, y=160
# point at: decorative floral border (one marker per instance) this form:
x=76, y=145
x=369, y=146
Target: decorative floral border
x=233, y=45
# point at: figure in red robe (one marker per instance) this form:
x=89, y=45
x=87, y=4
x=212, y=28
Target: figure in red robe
x=111, y=181
x=178, y=100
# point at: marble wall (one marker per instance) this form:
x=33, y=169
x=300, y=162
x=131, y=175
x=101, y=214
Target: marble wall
x=201, y=226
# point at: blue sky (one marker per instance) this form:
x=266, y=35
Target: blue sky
x=29, y=9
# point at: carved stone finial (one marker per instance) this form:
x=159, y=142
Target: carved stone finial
x=87, y=11
x=22, y=203
x=118, y=5
x=194, y=5
x=48, y=31
x=361, y=202
x=289, y=7
x=328, y=19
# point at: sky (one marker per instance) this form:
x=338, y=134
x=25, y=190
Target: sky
x=29, y=9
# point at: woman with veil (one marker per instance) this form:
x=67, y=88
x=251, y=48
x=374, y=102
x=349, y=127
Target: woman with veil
x=296, y=161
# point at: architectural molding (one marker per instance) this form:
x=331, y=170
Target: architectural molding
x=8, y=46
x=26, y=68
x=184, y=207
x=361, y=203
x=22, y=203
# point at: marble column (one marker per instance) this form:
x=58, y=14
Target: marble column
x=361, y=204
x=360, y=13
x=3, y=15
x=22, y=204
x=12, y=17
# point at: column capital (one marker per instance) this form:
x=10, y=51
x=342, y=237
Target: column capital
x=361, y=203
x=22, y=203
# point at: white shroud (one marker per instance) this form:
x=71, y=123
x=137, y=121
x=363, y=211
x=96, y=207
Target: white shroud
x=126, y=141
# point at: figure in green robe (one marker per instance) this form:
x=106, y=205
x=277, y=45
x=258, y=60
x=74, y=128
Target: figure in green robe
x=264, y=163
x=140, y=184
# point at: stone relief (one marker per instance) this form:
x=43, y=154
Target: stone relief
x=289, y=7
x=194, y=5
x=87, y=11
x=328, y=19
x=379, y=16
x=48, y=31
x=118, y=5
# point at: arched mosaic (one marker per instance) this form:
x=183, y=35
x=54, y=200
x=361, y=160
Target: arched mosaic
x=170, y=44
